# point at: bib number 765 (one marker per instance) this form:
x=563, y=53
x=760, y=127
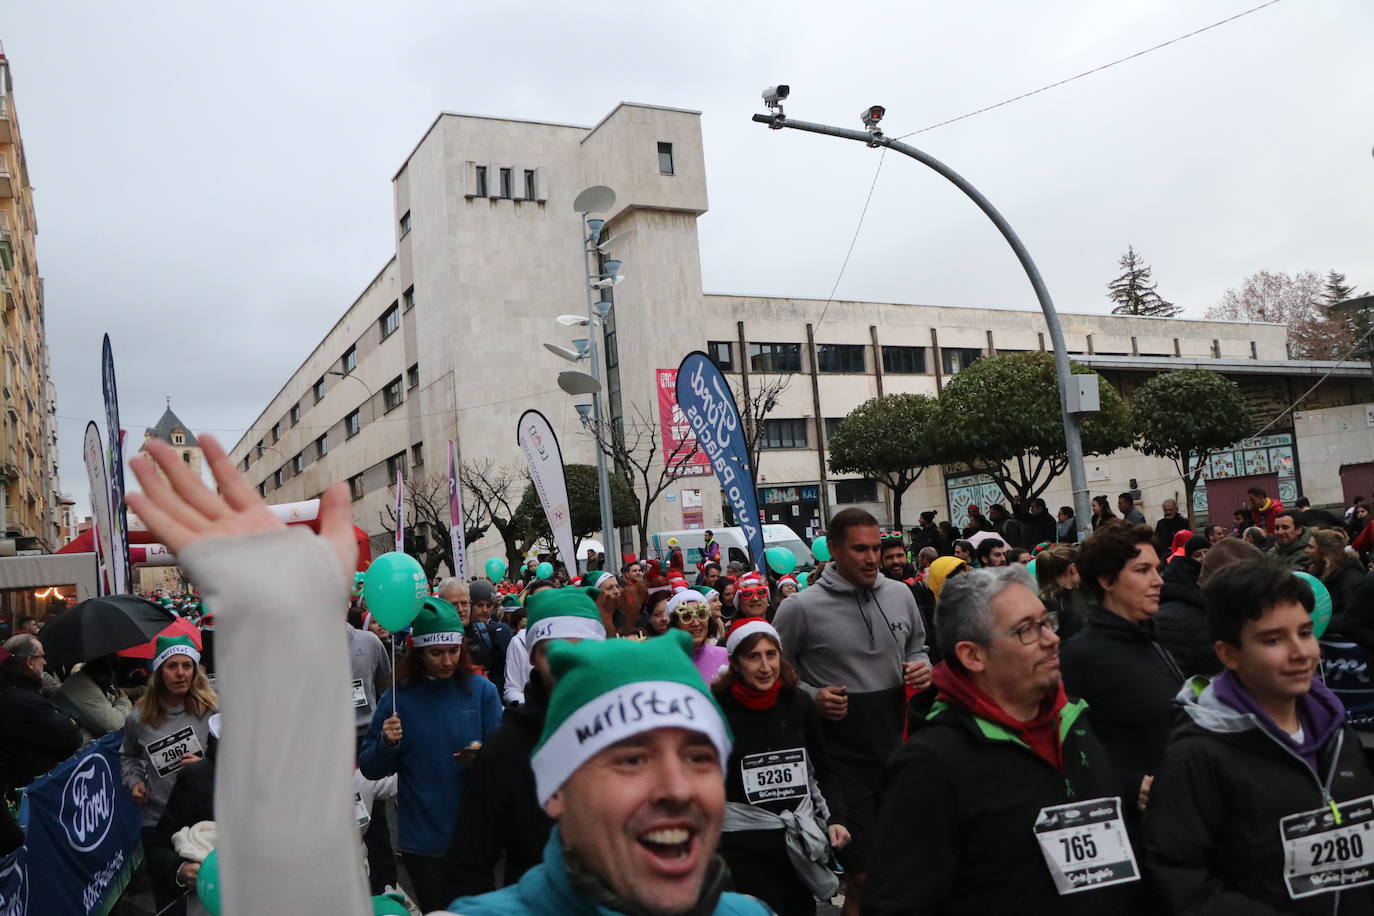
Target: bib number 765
x=1078, y=848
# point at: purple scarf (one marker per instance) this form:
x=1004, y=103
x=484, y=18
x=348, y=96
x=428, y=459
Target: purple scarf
x=1319, y=712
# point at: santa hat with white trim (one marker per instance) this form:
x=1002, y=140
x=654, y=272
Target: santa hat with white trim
x=608, y=691
x=167, y=646
x=437, y=624
x=604, y=578
x=563, y=613
x=685, y=596
x=745, y=627
x=749, y=580
x=782, y=580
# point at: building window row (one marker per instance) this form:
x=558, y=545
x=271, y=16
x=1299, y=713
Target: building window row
x=840, y=359
x=500, y=182
x=783, y=434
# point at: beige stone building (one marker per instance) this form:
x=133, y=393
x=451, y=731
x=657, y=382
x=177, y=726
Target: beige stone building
x=445, y=342
x=30, y=504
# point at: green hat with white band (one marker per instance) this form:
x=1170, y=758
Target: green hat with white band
x=167, y=646
x=563, y=613
x=437, y=624
x=608, y=691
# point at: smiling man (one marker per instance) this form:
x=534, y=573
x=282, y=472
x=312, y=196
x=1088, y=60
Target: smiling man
x=981, y=794
x=630, y=765
x=1251, y=811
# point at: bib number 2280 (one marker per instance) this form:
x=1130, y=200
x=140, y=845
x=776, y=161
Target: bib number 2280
x=1326, y=850
x=1085, y=845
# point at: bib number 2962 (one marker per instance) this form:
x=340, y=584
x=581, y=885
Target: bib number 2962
x=1085, y=845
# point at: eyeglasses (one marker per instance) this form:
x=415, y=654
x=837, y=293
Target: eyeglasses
x=757, y=591
x=685, y=614
x=1029, y=632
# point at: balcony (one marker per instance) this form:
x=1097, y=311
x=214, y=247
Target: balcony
x=7, y=182
x=7, y=131
x=6, y=245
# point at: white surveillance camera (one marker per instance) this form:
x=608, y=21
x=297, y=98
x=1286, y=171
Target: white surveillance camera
x=775, y=94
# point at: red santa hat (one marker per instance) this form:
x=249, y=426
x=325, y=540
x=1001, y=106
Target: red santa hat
x=745, y=627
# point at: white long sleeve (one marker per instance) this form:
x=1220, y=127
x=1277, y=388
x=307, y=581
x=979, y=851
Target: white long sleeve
x=284, y=806
x=517, y=669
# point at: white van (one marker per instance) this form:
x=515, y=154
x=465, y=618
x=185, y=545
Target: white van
x=733, y=544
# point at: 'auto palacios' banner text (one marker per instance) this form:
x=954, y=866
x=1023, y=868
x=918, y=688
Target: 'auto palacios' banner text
x=706, y=401
x=81, y=838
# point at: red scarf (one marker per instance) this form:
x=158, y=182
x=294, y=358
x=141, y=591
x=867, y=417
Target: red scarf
x=750, y=698
x=1041, y=734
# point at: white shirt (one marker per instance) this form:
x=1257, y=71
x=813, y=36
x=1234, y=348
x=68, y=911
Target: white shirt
x=517, y=669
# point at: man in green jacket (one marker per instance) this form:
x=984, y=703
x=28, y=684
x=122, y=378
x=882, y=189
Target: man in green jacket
x=1290, y=542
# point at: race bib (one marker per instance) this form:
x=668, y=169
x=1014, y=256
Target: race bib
x=359, y=696
x=165, y=753
x=774, y=776
x=360, y=811
x=1085, y=845
x=1325, y=852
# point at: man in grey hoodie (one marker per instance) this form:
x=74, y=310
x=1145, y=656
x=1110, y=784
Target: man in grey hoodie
x=857, y=641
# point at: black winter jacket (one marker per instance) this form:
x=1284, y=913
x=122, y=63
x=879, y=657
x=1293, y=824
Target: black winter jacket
x=34, y=735
x=1356, y=619
x=1129, y=680
x=1342, y=582
x=1181, y=627
x=1211, y=831
x=192, y=801
x=500, y=814
x=955, y=823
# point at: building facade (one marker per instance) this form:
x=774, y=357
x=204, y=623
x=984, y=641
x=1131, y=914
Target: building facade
x=445, y=342
x=30, y=503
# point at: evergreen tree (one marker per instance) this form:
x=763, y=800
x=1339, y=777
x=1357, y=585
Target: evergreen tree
x=1133, y=292
x=1336, y=289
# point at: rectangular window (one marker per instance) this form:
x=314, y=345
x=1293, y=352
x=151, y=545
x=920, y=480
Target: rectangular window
x=405, y=223
x=413, y=377
x=417, y=455
x=722, y=353
x=298, y=463
x=390, y=320
x=856, y=491
x=956, y=359
x=529, y=184
x=904, y=360
x=775, y=357
x=840, y=357
x=322, y=446
x=262, y=489
x=295, y=414
x=276, y=479
x=832, y=424
x=246, y=463
x=318, y=390
x=505, y=183
x=396, y=464
x=665, y=158
x=784, y=434
x=355, y=487
x=353, y=424
x=259, y=447
x=350, y=360
x=391, y=394
x=276, y=433
x=408, y=298
x=481, y=189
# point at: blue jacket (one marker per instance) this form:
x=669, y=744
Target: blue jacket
x=545, y=889
x=438, y=719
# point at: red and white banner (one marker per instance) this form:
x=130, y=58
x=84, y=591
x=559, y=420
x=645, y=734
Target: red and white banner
x=455, y=514
x=678, y=440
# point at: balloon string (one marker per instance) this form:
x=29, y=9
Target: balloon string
x=393, y=675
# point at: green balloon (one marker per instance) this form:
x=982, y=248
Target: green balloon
x=1321, y=611
x=207, y=883
x=544, y=571
x=358, y=578
x=496, y=569
x=394, y=588
x=389, y=905
x=781, y=560
x=1030, y=568
x=820, y=549
x=802, y=580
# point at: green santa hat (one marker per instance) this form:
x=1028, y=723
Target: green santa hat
x=167, y=646
x=437, y=624
x=563, y=613
x=608, y=691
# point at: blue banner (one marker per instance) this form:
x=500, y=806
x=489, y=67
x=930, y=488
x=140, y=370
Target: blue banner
x=706, y=402
x=119, y=531
x=81, y=838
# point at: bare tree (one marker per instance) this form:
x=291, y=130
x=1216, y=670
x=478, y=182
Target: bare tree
x=427, y=512
x=496, y=491
x=755, y=405
x=1294, y=301
x=647, y=465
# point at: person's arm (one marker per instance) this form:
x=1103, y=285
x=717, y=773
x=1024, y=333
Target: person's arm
x=819, y=756
x=914, y=860
x=492, y=710
x=517, y=670
x=481, y=832
x=49, y=729
x=790, y=622
x=381, y=671
x=1185, y=821
x=916, y=649
x=284, y=787
x=376, y=758
x=133, y=767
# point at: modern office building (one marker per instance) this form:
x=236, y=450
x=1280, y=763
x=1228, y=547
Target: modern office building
x=30, y=504
x=445, y=342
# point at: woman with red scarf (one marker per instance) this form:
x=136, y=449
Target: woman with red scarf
x=783, y=813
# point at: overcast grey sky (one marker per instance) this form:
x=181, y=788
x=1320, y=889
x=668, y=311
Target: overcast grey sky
x=213, y=180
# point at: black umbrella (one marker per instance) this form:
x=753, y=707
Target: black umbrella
x=102, y=626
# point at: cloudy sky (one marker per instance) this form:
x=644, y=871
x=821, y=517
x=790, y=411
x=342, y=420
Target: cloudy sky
x=213, y=180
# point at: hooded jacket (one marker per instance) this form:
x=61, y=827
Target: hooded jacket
x=836, y=633
x=1181, y=628
x=34, y=735
x=1293, y=556
x=1211, y=831
x=977, y=790
x=1343, y=581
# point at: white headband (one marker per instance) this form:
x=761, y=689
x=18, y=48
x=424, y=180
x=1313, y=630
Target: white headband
x=601, y=579
x=437, y=639
x=685, y=596
x=565, y=628
x=742, y=632
x=178, y=649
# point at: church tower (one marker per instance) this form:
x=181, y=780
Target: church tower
x=175, y=433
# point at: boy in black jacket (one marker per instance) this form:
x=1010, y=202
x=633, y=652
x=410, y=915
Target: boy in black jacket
x=1263, y=802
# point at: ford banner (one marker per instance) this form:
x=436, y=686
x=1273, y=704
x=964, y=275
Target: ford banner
x=706, y=402
x=81, y=838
